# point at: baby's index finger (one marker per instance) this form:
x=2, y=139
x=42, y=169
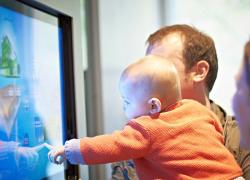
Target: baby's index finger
x=55, y=157
x=48, y=146
x=51, y=155
x=59, y=160
x=41, y=146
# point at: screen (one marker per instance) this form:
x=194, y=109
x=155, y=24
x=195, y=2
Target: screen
x=31, y=93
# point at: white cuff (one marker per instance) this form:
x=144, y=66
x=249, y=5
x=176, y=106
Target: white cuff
x=72, y=151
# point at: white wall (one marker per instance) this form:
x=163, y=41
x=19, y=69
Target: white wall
x=124, y=28
x=75, y=9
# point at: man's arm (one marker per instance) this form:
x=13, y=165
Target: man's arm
x=245, y=163
x=232, y=142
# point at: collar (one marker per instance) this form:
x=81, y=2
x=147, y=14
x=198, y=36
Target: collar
x=219, y=111
x=172, y=106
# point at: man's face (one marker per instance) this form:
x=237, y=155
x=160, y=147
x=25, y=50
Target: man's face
x=172, y=48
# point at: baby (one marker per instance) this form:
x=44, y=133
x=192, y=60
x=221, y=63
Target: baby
x=167, y=137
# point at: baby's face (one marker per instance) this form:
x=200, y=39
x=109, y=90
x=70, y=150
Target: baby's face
x=135, y=104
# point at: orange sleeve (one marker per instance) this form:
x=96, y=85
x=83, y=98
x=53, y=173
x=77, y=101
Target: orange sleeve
x=132, y=142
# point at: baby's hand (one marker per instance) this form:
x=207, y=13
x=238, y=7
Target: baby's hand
x=57, y=155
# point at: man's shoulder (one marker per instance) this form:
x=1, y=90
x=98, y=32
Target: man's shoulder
x=220, y=112
x=231, y=134
x=227, y=121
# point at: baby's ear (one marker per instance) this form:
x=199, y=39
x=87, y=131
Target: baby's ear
x=155, y=105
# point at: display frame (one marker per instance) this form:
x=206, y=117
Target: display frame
x=68, y=93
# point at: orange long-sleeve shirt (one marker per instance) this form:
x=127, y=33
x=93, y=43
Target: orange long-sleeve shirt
x=183, y=143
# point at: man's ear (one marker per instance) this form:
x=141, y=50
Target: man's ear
x=200, y=71
x=155, y=105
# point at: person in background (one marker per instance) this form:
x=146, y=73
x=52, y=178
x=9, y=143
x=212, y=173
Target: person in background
x=241, y=99
x=165, y=135
x=195, y=58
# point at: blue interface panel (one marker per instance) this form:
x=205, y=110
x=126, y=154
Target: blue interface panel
x=31, y=94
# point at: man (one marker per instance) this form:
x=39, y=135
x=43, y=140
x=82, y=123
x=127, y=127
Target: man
x=194, y=56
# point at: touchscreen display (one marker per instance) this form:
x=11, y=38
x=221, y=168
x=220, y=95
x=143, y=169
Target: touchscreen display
x=31, y=93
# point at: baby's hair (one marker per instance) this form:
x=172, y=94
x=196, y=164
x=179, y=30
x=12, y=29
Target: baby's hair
x=156, y=76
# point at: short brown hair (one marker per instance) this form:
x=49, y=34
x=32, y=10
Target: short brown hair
x=197, y=46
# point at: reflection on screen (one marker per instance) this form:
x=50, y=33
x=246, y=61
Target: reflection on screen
x=31, y=111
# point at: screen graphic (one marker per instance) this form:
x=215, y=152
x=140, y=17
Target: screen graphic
x=31, y=95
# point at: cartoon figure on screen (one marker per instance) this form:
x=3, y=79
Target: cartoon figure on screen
x=12, y=153
x=15, y=158
x=18, y=157
x=28, y=79
x=162, y=135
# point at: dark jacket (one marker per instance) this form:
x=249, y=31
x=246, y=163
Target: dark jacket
x=232, y=139
x=126, y=170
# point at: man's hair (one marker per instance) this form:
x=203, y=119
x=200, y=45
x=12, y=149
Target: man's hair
x=196, y=46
